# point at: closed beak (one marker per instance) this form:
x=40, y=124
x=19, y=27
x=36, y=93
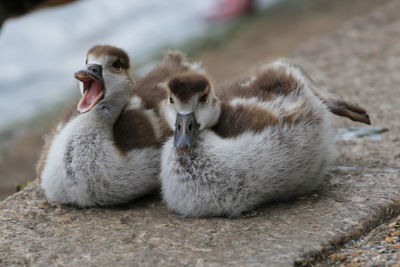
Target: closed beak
x=186, y=132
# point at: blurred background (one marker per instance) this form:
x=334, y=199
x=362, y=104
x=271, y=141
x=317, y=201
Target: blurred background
x=42, y=43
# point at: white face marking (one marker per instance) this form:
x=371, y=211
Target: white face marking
x=206, y=114
x=96, y=60
x=185, y=108
x=114, y=81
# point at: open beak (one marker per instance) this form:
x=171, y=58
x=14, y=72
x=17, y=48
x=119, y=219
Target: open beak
x=186, y=132
x=93, y=87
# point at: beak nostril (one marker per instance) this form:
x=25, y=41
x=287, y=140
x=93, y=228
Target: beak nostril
x=190, y=126
x=179, y=126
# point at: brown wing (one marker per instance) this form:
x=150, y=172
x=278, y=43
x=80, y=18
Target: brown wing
x=265, y=84
x=235, y=120
x=134, y=130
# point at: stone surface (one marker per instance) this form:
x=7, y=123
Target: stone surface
x=360, y=61
x=381, y=247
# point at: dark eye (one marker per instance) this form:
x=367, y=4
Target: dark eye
x=116, y=64
x=171, y=100
x=203, y=98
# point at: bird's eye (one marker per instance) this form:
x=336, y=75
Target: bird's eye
x=171, y=100
x=116, y=64
x=203, y=99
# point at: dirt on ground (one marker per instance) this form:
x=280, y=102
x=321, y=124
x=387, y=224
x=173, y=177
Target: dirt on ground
x=381, y=247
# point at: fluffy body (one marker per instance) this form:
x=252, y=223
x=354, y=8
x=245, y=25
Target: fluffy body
x=85, y=168
x=106, y=156
x=229, y=172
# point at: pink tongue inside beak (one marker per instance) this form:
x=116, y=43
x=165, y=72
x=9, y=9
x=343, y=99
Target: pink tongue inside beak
x=91, y=96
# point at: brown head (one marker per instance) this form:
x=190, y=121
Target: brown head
x=187, y=85
x=191, y=107
x=106, y=73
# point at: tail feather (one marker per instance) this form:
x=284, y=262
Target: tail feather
x=335, y=103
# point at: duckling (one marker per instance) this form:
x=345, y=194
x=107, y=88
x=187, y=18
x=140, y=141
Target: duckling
x=93, y=159
x=109, y=152
x=231, y=152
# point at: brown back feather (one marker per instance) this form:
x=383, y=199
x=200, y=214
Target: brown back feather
x=267, y=85
x=134, y=130
x=235, y=120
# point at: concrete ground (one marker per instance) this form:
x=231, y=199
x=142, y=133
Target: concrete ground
x=359, y=61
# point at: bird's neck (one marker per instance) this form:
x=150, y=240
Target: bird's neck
x=107, y=110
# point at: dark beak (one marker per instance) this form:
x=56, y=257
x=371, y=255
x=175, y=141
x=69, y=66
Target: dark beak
x=186, y=132
x=95, y=71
